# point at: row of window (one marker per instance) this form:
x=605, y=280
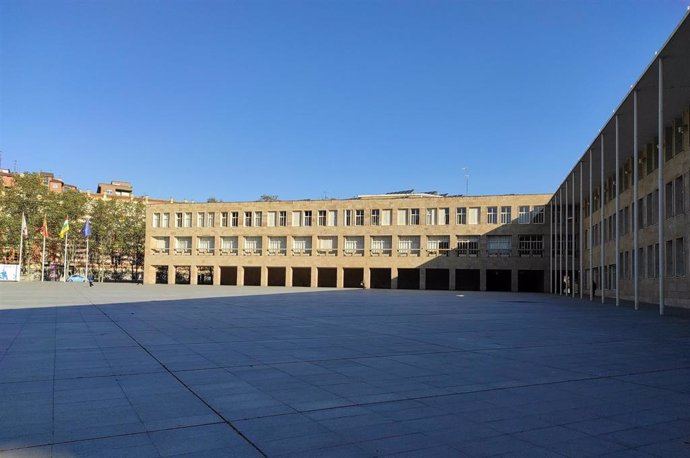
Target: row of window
x=648, y=260
x=496, y=245
x=378, y=217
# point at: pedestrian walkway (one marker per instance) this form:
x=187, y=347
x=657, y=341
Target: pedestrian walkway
x=129, y=370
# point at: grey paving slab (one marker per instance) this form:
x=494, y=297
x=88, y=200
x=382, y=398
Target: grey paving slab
x=132, y=370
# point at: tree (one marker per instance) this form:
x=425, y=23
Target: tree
x=212, y=200
x=268, y=198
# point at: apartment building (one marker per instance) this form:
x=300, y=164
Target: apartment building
x=620, y=217
x=402, y=240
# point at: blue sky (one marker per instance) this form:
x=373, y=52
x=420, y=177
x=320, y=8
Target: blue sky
x=306, y=99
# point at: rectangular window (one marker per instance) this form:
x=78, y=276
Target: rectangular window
x=468, y=246
x=678, y=193
x=307, y=218
x=332, y=217
x=498, y=245
x=430, y=216
x=271, y=219
x=650, y=261
x=461, y=215
x=228, y=245
x=445, y=216
x=322, y=218
x=188, y=219
x=165, y=220
x=680, y=257
x=678, y=136
x=474, y=215
x=523, y=215
x=156, y=220
x=656, y=260
x=640, y=213
x=668, y=207
x=375, y=217
x=247, y=219
x=201, y=219
x=414, y=216
x=348, y=217
x=492, y=215
x=282, y=218
x=438, y=245
x=252, y=245
x=402, y=217
x=408, y=245
x=359, y=217
x=538, y=214
x=669, y=258
x=258, y=219
x=505, y=215
x=531, y=245
x=650, y=210
x=210, y=219
x=224, y=219
x=386, y=217
x=235, y=219
x=277, y=246
x=296, y=218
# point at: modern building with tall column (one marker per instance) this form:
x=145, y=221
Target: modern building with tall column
x=619, y=219
x=401, y=240
x=616, y=228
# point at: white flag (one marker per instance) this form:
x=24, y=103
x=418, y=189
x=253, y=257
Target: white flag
x=25, y=230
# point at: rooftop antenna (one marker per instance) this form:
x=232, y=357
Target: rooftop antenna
x=15, y=166
x=467, y=180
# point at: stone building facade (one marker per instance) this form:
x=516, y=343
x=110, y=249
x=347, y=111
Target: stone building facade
x=411, y=240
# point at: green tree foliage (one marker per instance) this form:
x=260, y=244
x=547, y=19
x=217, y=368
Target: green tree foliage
x=117, y=227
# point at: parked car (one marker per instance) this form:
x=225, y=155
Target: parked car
x=77, y=279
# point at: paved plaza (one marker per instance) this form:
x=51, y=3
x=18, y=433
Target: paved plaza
x=129, y=370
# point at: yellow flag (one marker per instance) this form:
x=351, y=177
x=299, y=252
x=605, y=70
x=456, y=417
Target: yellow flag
x=65, y=228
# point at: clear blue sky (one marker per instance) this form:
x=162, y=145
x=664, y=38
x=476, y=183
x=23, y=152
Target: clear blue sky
x=234, y=99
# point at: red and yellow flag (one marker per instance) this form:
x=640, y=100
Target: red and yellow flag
x=44, y=229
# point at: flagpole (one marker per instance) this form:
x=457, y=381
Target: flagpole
x=87, y=258
x=21, y=253
x=65, y=266
x=43, y=258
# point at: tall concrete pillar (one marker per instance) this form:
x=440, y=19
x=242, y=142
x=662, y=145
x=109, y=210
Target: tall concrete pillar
x=367, y=278
x=422, y=278
x=288, y=276
x=240, y=276
x=314, y=277
x=394, y=278
x=193, y=272
x=339, y=277
x=171, y=275
x=264, y=275
x=216, y=275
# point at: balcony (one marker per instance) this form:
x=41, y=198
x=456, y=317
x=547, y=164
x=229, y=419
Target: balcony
x=403, y=252
x=326, y=252
x=353, y=252
x=380, y=252
x=434, y=252
x=468, y=252
x=160, y=250
x=252, y=252
x=205, y=251
x=183, y=251
x=277, y=252
x=301, y=252
x=533, y=253
x=228, y=252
